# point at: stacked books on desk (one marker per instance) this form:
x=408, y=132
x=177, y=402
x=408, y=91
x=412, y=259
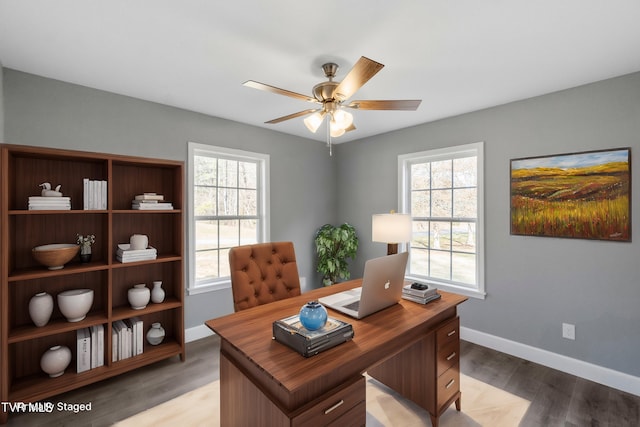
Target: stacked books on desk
x=124, y=254
x=290, y=332
x=150, y=201
x=41, y=203
x=421, y=294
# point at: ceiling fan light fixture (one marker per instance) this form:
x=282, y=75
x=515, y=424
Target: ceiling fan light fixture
x=334, y=130
x=314, y=121
x=343, y=119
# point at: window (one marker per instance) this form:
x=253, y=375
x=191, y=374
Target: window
x=443, y=191
x=228, y=192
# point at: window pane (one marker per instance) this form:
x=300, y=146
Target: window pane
x=464, y=268
x=204, y=172
x=465, y=172
x=420, y=203
x=441, y=235
x=419, y=263
x=464, y=203
x=224, y=267
x=227, y=201
x=441, y=174
x=227, y=173
x=464, y=237
x=206, y=234
x=248, y=231
x=206, y=265
x=248, y=202
x=420, y=234
x=247, y=175
x=440, y=265
x=229, y=233
x=441, y=203
x=204, y=201
x=420, y=179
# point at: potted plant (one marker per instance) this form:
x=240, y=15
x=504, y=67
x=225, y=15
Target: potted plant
x=333, y=246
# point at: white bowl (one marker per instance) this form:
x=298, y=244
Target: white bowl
x=75, y=303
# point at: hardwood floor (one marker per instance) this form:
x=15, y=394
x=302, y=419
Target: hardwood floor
x=557, y=399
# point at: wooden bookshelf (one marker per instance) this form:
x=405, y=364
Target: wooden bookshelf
x=22, y=169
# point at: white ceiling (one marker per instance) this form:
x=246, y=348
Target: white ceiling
x=455, y=55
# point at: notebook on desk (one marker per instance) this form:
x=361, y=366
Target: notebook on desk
x=381, y=287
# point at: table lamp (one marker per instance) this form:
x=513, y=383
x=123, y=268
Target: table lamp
x=391, y=228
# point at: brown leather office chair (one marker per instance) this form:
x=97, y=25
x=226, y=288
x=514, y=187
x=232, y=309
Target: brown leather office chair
x=263, y=273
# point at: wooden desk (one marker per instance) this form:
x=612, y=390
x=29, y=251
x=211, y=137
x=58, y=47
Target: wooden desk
x=263, y=382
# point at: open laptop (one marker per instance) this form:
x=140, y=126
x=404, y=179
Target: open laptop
x=381, y=287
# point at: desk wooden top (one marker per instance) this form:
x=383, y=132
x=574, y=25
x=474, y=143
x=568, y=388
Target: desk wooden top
x=248, y=334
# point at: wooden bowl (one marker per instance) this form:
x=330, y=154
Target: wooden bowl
x=55, y=255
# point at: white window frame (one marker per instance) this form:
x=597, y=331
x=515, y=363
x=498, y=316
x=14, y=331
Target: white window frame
x=195, y=149
x=404, y=200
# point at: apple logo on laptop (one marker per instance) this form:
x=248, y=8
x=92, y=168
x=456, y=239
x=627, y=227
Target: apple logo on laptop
x=387, y=285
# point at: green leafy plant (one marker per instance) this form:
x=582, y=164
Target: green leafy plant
x=333, y=246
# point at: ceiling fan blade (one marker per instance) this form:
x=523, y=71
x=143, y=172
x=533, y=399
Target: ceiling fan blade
x=350, y=128
x=407, y=105
x=292, y=116
x=361, y=72
x=277, y=90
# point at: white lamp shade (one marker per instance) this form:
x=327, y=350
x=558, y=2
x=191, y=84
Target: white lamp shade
x=343, y=119
x=391, y=228
x=335, y=130
x=314, y=121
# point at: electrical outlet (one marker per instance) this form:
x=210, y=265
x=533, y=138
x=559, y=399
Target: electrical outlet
x=569, y=331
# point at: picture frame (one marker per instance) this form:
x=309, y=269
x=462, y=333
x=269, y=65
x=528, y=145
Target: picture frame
x=584, y=195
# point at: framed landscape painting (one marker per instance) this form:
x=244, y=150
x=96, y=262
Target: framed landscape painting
x=583, y=195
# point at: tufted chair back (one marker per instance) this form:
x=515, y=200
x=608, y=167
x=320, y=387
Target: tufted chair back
x=263, y=273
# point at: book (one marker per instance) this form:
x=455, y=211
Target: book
x=83, y=350
x=290, y=332
x=422, y=293
x=97, y=346
x=149, y=196
x=124, y=254
x=421, y=300
x=138, y=335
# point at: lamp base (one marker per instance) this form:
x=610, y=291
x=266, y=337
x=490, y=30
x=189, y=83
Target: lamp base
x=392, y=248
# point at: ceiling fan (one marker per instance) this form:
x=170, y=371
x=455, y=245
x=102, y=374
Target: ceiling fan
x=332, y=97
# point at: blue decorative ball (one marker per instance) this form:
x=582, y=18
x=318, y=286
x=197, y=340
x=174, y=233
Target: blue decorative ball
x=313, y=315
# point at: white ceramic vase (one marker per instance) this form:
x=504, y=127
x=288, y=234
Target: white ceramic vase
x=155, y=335
x=55, y=360
x=139, y=296
x=157, y=293
x=40, y=308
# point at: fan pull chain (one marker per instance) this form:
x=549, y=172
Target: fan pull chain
x=329, y=137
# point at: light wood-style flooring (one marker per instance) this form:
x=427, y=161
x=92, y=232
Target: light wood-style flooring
x=556, y=398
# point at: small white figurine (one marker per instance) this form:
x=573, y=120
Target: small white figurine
x=48, y=192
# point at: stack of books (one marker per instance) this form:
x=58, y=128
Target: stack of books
x=94, y=194
x=150, y=201
x=41, y=203
x=127, y=338
x=90, y=348
x=290, y=332
x=420, y=293
x=124, y=254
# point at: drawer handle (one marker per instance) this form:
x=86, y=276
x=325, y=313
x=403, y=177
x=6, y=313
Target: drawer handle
x=326, y=411
x=451, y=333
x=451, y=356
x=452, y=382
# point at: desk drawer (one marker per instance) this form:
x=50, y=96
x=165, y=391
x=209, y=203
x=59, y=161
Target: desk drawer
x=447, y=333
x=348, y=402
x=448, y=385
x=448, y=356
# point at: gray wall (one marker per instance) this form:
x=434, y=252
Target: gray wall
x=533, y=284
x=50, y=113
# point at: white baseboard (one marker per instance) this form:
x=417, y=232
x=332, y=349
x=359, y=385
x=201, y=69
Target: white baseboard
x=609, y=377
x=197, y=332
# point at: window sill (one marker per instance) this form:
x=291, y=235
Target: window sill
x=211, y=287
